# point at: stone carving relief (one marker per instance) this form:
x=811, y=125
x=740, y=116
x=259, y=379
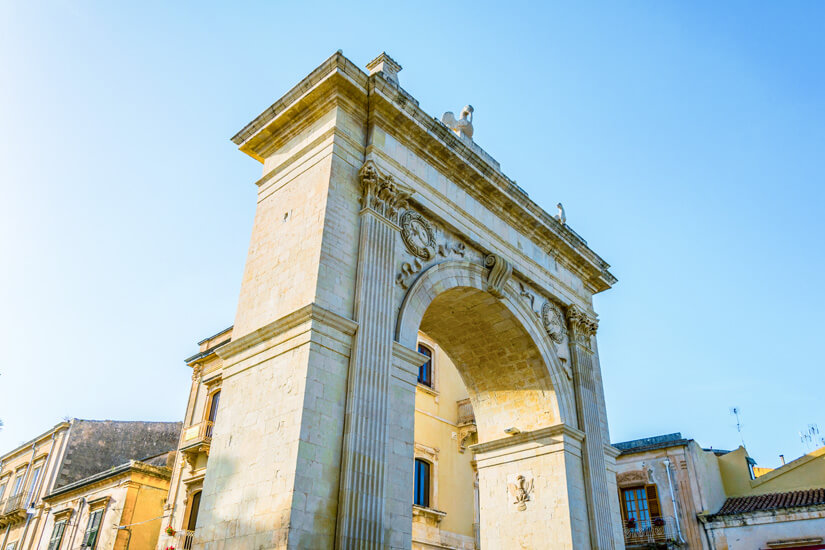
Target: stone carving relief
x=423, y=240
x=581, y=326
x=521, y=490
x=553, y=321
x=418, y=235
x=632, y=477
x=500, y=271
x=381, y=193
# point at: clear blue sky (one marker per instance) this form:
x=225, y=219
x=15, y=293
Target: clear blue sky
x=685, y=140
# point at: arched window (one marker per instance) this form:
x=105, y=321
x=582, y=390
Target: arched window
x=425, y=371
x=421, y=496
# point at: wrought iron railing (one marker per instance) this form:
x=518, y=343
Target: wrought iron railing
x=657, y=530
x=184, y=539
x=15, y=503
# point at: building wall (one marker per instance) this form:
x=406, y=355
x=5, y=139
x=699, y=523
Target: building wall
x=753, y=531
x=45, y=450
x=437, y=441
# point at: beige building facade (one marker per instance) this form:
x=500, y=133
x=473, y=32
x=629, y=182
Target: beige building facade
x=675, y=494
x=377, y=227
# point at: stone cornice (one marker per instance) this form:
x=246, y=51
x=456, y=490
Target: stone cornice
x=760, y=517
x=339, y=81
x=107, y=477
x=310, y=312
x=527, y=437
x=335, y=79
x=479, y=175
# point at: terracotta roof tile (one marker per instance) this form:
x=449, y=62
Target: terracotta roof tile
x=772, y=501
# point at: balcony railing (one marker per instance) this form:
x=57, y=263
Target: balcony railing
x=655, y=533
x=184, y=539
x=197, y=434
x=14, y=507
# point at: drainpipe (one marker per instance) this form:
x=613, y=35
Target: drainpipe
x=673, y=500
x=77, y=521
x=23, y=492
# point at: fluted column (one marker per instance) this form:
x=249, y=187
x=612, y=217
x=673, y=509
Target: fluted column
x=582, y=331
x=362, y=496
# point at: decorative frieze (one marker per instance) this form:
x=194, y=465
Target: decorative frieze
x=422, y=243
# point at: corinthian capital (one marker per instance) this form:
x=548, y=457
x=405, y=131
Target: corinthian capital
x=582, y=327
x=381, y=193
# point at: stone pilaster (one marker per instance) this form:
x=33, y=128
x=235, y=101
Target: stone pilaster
x=582, y=330
x=362, y=508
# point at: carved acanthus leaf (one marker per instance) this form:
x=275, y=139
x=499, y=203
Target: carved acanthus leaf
x=582, y=327
x=381, y=193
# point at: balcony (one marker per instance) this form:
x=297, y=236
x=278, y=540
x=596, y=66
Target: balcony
x=465, y=413
x=13, y=509
x=184, y=539
x=655, y=533
x=196, y=439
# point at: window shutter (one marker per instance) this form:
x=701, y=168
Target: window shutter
x=653, y=501
x=57, y=535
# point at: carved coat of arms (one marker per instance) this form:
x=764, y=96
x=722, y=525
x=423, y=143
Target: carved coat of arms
x=521, y=490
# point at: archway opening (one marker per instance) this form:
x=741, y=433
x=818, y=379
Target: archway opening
x=506, y=377
x=486, y=380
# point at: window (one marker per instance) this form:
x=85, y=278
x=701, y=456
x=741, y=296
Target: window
x=33, y=485
x=639, y=506
x=18, y=484
x=90, y=536
x=12, y=545
x=425, y=371
x=57, y=535
x=422, y=483
x=213, y=411
x=3, y=488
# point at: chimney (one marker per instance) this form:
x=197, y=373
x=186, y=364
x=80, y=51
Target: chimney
x=782, y=458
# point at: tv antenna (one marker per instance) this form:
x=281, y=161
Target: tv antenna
x=736, y=411
x=811, y=438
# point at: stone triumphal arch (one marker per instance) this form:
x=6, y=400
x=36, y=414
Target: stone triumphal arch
x=375, y=221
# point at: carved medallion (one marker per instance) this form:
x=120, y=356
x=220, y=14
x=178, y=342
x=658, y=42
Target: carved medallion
x=553, y=321
x=418, y=235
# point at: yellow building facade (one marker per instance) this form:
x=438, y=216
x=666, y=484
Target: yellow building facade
x=80, y=484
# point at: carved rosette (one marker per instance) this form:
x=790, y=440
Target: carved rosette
x=418, y=235
x=553, y=321
x=381, y=193
x=500, y=271
x=582, y=327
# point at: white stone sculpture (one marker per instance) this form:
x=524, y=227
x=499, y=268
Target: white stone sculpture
x=561, y=216
x=464, y=125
